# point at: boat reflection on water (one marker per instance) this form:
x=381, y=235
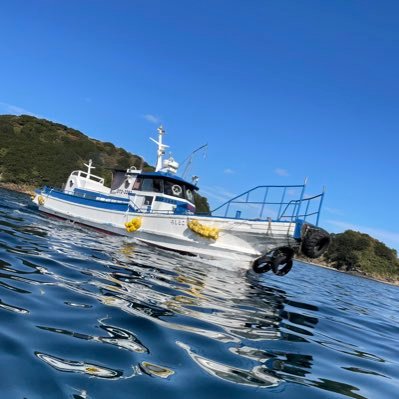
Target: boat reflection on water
x=234, y=325
x=235, y=309
x=197, y=302
x=254, y=323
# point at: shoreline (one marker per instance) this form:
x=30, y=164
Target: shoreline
x=19, y=188
x=357, y=274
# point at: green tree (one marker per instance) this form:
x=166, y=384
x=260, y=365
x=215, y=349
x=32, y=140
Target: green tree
x=355, y=251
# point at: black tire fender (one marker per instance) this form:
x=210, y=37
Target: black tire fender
x=279, y=261
x=315, y=242
x=282, y=264
x=262, y=264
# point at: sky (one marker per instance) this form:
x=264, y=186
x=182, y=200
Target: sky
x=279, y=90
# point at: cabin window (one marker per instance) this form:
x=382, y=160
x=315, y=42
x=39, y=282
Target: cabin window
x=172, y=188
x=137, y=183
x=189, y=195
x=70, y=183
x=127, y=184
x=154, y=185
x=158, y=185
x=147, y=185
x=148, y=200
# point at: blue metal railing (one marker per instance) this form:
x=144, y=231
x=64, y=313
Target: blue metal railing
x=254, y=203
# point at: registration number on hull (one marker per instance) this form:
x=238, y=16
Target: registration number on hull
x=178, y=222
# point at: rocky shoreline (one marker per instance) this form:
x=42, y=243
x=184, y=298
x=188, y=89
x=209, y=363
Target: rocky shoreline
x=20, y=188
x=326, y=265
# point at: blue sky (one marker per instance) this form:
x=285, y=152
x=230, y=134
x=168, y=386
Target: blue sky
x=280, y=90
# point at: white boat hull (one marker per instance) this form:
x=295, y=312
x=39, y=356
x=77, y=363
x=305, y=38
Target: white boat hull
x=239, y=240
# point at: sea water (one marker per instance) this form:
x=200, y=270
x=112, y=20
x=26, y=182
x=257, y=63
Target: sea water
x=89, y=315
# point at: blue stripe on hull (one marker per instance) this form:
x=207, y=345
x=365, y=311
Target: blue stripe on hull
x=93, y=195
x=77, y=200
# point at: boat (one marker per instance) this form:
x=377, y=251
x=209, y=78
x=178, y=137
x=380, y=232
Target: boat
x=262, y=228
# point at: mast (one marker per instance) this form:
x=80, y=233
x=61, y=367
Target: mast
x=161, y=148
x=89, y=168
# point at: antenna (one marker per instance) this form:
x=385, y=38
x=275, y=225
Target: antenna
x=140, y=160
x=189, y=159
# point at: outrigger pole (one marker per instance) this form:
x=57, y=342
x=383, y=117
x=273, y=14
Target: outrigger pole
x=190, y=159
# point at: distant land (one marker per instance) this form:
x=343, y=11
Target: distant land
x=359, y=254
x=36, y=152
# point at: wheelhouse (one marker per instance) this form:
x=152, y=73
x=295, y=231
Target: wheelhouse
x=160, y=191
x=153, y=182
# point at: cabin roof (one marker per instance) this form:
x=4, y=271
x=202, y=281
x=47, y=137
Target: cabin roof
x=164, y=175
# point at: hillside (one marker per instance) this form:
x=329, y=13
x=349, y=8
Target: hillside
x=36, y=152
x=358, y=253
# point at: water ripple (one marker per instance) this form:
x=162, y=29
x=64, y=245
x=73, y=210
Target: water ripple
x=72, y=366
x=89, y=315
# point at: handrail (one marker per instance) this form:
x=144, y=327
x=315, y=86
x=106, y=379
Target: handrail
x=251, y=190
x=306, y=214
x=287, y=210
x=85, y=175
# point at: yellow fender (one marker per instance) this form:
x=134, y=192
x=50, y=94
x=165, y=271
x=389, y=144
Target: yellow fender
x=133, y=225
x=202, y=230
x=40, y=200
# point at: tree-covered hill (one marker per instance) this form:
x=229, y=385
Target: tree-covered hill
x=357, y=252
x=36, y=152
